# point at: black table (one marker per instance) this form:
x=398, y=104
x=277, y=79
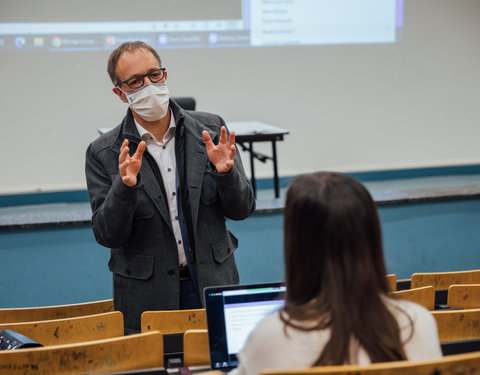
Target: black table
x=248, y=132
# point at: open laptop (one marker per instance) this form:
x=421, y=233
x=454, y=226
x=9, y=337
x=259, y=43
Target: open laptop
x=232, y=313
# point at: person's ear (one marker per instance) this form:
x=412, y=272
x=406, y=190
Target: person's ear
x=165, y=75
x=120, y=94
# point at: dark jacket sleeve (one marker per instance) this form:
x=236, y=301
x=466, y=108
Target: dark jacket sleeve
x=113, y=203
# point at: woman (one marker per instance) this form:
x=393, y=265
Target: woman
x=337, y=308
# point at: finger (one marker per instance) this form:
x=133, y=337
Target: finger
x=231, y=139
x=127, y=180
x=122, y=148
x=229, y=165
x=233, y=151
x=223, y=135
x=140, y=150
x=123, y=168
x=124, y=155
x=208, y=140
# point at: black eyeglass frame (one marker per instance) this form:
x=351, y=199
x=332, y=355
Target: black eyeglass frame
x=143, y=78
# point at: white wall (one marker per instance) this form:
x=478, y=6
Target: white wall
x=348, y=107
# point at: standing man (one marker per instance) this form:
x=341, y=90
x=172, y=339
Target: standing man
x=160, y=185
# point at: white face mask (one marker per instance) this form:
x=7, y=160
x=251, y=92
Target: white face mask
x=150, y=102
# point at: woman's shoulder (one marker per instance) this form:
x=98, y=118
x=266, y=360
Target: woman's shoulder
x=418, y=329
x=408, y=313
x=414, y=310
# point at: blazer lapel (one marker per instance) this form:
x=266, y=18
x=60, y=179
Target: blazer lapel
x=196, y=162
x=154, y=191
x=148, y=180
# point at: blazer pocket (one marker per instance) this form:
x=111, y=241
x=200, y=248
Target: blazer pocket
x=224, y=248
x=132, y=266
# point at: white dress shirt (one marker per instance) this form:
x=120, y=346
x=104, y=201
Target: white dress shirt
x=163, y=152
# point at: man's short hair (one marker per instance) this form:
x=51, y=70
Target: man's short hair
x=127, y=47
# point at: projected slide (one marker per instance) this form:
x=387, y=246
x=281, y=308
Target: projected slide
x=219, y=23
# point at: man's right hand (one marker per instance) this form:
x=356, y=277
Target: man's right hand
x=130, y=166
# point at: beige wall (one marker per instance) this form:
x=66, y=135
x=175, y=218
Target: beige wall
x=348, y=107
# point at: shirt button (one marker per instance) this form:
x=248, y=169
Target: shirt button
x=174, y=193
x=176, y=217
x=169, y=169
x=163, y=147
x=179, y=242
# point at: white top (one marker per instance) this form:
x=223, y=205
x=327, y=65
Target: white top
x=268, y=347
x=163, y=151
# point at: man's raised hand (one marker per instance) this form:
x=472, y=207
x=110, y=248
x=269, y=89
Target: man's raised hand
x=221, y=155
x=129, y=166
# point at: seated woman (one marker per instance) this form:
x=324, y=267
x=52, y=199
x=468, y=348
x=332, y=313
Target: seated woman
x=338, y=309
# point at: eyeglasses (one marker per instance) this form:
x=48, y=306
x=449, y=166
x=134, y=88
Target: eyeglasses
x=138, y=81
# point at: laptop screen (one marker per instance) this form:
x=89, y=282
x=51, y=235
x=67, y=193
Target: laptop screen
x=232, y=313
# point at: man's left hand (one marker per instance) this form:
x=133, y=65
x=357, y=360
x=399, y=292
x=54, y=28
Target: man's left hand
x=221, y=155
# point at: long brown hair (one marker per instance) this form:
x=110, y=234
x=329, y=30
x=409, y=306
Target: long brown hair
x=334, y=268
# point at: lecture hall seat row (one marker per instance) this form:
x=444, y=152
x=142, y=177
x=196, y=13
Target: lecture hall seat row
x=439, y=280
x=192, y=323
x=460, y=289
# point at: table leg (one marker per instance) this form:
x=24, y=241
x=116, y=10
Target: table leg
x=252, y=168
x=275, y=170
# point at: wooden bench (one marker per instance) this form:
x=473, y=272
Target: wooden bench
x=32, y=314
x=465, y=296
x=424, y=296
x=71, y=330
x=442, y=280
x=173, y=321
x=195, y=348
x=139, y=351
x=392, y=281
x=456, y=325
x=451, y=365
x=172, y=324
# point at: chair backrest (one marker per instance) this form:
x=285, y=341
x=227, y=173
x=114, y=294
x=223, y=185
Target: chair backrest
x=456, y=325
x=186, y=102
x=173, y=321
x=392, y=281
x=442, y=280
x=31, y=314
x=71, y=330
x=450, y=365
x=424, y=296
x=465, y=296
x=139, y=351
x=195, y=348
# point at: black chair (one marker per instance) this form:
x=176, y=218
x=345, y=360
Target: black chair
x=186, y=102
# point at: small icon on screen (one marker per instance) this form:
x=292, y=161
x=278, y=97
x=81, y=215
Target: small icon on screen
x=110, y=40
x=213, y=38
x=20, y=41
x=56, y=41
x=163, y=39
x=38, y=41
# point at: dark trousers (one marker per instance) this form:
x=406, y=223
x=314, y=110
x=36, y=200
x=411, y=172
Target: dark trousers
x=189, y=298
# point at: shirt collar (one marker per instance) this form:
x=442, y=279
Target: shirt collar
x=147, y=136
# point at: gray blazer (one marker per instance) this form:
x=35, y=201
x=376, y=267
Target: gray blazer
x=135, y=222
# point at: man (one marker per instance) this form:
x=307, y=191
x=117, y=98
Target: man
x=160, y=190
